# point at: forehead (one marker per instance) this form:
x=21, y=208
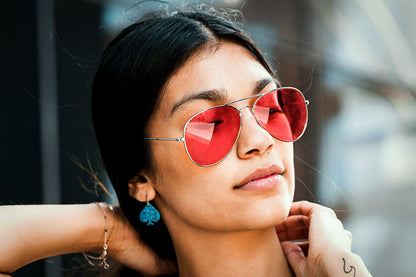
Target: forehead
x=228, y=66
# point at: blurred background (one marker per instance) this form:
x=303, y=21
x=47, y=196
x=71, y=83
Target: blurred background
x=354, y=59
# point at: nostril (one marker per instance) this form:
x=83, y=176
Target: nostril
x=252, y=150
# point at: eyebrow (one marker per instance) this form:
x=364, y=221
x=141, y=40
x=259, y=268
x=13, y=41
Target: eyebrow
x=217, y=95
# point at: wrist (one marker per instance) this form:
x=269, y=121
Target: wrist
x=101, y=222
x=340, y=263
x=101, y=260
x=116, y=231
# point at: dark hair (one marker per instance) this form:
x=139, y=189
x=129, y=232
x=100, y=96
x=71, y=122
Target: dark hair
x=134, y=68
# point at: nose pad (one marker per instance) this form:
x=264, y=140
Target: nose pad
x=254, y=140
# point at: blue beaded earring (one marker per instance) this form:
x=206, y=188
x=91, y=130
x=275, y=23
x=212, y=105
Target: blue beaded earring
x=149, y=214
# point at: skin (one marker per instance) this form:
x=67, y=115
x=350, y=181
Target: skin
x=200, y=206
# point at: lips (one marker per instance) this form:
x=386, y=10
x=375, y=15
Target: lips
x=262, y=179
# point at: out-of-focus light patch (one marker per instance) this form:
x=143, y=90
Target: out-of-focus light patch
x=398, y=160
x=117, y=15
x=351, y=146
x=368, y=230
x=232, y=3
x=266, y=38
x=113, y=18
x=367, y=40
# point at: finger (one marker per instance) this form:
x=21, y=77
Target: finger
x=302, y=208
x=293, y=221
x=311, y=209
x=295, y=257
x=294, y=234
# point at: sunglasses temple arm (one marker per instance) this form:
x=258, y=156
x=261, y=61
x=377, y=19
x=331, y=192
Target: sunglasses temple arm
x=167, y=139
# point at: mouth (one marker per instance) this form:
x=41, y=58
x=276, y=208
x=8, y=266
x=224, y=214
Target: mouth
x=262, y=179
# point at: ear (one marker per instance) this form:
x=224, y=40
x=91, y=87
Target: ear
x=141, y=188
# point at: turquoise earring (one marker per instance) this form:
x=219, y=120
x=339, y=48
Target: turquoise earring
x=149, y=214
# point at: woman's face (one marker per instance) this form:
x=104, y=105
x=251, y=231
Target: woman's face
x=213, y=198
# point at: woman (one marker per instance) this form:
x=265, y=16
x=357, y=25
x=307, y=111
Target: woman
x=188, y=114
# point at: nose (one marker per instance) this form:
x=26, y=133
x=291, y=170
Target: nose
x=253, y=140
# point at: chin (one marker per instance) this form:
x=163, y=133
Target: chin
x=270, y=212
x=278, y=213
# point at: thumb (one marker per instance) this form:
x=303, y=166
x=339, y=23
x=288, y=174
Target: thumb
x=295, y=257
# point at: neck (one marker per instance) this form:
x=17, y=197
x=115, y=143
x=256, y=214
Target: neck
x=250, y=253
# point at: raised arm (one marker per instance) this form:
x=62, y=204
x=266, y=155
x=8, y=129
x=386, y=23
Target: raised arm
x=32, y=232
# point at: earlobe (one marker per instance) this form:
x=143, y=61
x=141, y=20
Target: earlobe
x=141, y=188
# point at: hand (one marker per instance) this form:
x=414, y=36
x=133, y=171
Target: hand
x=126, y=247
x=327, y=247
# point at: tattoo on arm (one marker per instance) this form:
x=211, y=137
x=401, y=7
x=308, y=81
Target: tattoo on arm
x=352, y=269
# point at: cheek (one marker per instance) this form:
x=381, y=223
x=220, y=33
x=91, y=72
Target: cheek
x=178, y=177
x=169, y=156
x=190, y=194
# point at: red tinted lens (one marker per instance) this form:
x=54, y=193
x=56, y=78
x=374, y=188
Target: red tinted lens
x=282, y=113
x=210, y=134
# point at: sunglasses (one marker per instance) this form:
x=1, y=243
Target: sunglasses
x=210, y=134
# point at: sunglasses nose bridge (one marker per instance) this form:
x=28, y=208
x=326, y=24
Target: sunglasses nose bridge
x=240, y=110
x=243, y=107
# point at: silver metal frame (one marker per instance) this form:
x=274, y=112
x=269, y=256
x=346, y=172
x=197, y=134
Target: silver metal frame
x=182, y=139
